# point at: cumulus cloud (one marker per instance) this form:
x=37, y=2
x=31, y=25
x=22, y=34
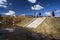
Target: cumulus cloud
x=47, y=13
x=12, y=13
x=37, y=7
x=57, y=11
x=32, y=1
x=3, y=3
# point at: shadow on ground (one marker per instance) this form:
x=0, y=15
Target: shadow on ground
x=20, y=34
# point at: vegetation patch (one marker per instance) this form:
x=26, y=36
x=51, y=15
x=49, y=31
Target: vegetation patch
x=50, y=27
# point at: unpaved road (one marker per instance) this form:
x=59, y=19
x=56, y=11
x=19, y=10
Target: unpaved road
x=36, y=22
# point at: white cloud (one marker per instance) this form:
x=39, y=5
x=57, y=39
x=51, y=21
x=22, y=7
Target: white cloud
x=3, y=3
x=37, y=7
x=47, y=13
x=57, y=11
x=12, y=13
x=32, y=1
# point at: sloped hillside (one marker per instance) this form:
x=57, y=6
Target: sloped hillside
x=18, y=21
x=50, y=27
x=22, y=20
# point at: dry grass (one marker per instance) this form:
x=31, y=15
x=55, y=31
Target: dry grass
x=24, y=20
x=50, y=27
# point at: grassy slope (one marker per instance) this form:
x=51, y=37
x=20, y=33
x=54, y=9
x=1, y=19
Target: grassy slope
x=24, y=20
x=51, y=26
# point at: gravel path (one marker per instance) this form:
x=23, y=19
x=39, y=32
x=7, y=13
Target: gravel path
x=36, y=22
x=29, y=22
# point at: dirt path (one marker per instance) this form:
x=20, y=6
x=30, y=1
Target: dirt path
x=29, y=22
x=36, y=22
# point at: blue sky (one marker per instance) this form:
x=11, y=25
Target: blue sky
x=25, y=6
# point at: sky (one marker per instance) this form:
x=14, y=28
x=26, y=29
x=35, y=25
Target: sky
x=29, y=7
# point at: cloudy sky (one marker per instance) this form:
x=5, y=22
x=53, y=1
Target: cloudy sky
x=29, y=7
